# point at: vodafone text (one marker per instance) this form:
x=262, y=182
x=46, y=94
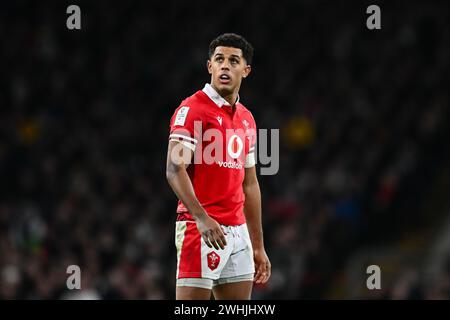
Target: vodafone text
x=230, y=150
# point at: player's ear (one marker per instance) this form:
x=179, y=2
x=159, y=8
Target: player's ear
x=247, y=70
x=209, y=66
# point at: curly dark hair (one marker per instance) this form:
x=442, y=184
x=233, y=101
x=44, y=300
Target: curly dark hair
x=235, y=41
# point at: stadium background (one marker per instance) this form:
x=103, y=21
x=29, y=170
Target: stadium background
x=364, y=162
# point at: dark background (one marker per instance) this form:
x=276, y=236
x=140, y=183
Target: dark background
x=364, y=127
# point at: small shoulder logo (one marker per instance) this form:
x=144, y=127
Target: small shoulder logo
x=245, y=122
x=180, y=118
x=219, y=119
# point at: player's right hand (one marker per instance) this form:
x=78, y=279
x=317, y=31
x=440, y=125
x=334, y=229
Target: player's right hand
x=211, y=232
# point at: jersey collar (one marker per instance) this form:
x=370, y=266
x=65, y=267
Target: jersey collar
x=215, y=97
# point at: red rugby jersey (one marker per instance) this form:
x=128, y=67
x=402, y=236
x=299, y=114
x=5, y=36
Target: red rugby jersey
x=223, y=141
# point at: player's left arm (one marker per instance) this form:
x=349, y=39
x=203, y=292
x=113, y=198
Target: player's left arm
x=252, y=211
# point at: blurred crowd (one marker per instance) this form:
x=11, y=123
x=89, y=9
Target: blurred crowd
x=84, y=120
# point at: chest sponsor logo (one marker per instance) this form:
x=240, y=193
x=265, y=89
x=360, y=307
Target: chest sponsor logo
x=235, y=146
x=226, y=147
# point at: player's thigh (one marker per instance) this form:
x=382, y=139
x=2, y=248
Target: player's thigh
x=193, y=293
x=233, y=291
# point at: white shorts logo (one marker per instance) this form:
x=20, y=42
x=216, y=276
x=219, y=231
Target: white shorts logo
x=235, y=146
x=180, y=118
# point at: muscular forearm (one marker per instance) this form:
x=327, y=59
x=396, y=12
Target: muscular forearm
x=252, y=211
x=182, y=186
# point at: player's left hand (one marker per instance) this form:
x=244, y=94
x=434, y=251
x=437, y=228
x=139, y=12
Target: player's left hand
x=262, y=266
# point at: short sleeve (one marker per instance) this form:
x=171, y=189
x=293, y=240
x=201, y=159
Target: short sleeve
x=250, y=158
x=185, y=126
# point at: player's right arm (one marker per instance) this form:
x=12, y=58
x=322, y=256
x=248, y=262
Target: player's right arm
x=178, y=159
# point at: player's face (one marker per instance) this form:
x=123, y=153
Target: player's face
x=227, y=68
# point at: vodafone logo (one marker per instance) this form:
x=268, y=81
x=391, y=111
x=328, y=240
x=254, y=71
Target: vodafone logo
x=235, y=146
x=230, y=165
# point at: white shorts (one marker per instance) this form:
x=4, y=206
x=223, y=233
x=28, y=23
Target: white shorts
x=201, y=266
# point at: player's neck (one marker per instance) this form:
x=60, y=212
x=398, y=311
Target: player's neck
x=230, y=98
